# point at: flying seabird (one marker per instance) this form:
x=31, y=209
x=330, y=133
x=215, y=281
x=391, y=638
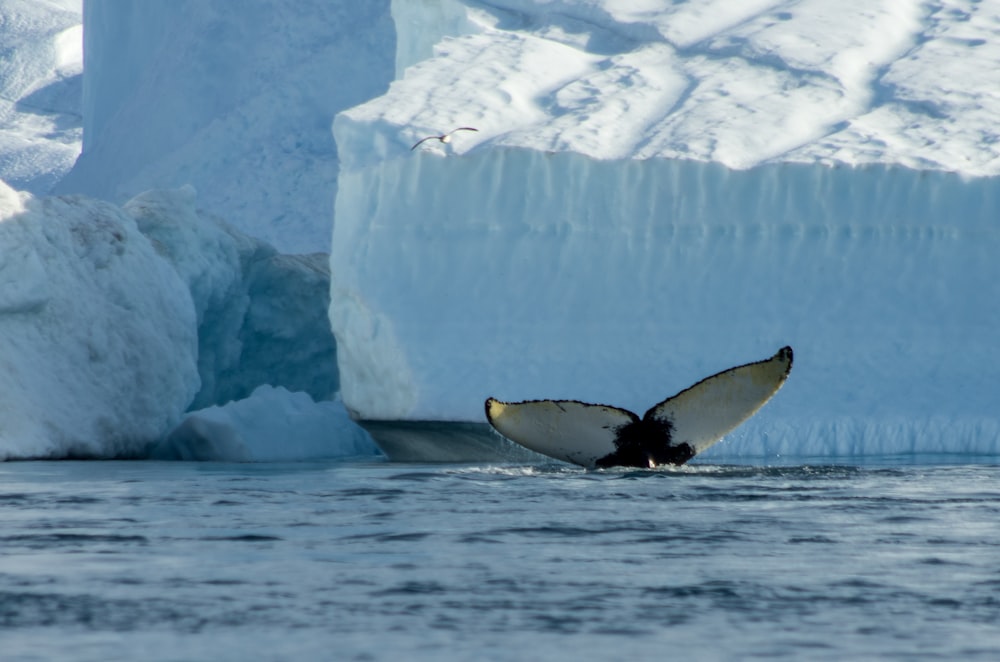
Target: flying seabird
x=446, y=138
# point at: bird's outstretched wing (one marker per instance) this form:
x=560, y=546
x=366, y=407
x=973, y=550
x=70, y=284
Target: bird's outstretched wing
x=423, y=140
x=444, y=137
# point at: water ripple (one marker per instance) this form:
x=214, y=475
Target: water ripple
x=794, y=562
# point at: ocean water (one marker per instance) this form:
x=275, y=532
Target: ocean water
x=386, y=561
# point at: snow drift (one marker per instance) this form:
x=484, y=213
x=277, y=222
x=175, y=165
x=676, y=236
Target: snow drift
x=41, y=72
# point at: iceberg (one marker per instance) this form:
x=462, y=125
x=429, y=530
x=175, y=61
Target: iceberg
x=114, y=321
x=236, y=102
x=98, y=338
x=259, y=316
x=657, y=193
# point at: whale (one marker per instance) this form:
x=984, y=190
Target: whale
x=669, y=433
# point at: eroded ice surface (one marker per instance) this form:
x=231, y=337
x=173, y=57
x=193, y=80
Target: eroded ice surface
x=98, y=339
x=116, y=320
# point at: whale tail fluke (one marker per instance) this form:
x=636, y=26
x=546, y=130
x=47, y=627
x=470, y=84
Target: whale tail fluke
x=671, y=432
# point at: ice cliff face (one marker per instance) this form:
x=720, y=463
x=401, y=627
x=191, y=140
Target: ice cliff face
x=656, y=195
x=234, y=101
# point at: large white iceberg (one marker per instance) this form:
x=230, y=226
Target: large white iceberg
x=260, y=316
x=655, y=191
x=658, y=192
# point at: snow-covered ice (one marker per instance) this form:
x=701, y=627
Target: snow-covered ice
x=737, y=83
x=659, y=191
x=257, y=316
x=41, y=71
x=116, y=320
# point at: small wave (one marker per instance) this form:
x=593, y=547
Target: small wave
x=245, y=537
x=48, y=540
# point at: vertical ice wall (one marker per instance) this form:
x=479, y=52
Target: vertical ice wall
x=235, y=99
x=520, y=274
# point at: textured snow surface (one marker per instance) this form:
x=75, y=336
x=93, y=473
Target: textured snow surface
x=732, y=82
x=660, y=191
x=41, y=71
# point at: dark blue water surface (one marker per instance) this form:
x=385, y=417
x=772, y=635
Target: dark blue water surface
x=373, y=561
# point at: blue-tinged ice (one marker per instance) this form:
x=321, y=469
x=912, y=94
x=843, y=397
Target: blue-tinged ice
x=261, y=314
x=236, y=102
x=271, y=425
x=654, y=196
